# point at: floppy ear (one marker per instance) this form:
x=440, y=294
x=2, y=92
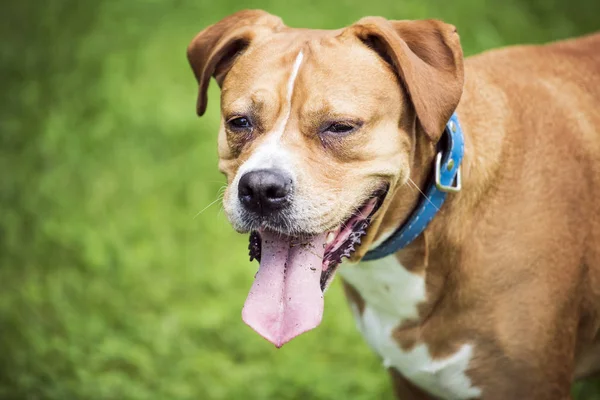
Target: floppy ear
x=427, y=57
x=213, y=51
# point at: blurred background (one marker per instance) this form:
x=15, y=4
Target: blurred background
x=113, y=284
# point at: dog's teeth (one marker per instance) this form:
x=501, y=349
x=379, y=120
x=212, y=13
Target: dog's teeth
x=330, y=238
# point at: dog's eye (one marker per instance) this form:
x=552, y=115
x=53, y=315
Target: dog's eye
x=239, y=123
x=340, y=128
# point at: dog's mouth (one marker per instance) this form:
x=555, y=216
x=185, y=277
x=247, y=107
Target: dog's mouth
x=286, y=298
x=340, y=242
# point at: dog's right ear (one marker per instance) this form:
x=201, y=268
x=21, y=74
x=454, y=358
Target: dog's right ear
x=213, y=51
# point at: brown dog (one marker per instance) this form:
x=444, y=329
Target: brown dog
x=327, y=140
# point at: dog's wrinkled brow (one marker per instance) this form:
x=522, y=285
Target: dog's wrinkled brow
x=255, y=103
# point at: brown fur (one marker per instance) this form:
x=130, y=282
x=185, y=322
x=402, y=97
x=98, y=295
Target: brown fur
x=512, y=262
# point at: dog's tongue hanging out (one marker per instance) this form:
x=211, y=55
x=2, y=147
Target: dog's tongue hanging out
x=286, y=298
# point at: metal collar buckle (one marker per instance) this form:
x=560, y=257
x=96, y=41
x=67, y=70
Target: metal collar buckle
x=438, y=184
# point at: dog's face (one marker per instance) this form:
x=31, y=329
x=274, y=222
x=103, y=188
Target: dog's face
x=330, y=134
x=319, y=127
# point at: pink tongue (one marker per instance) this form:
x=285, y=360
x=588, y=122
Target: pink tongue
x=286, y=299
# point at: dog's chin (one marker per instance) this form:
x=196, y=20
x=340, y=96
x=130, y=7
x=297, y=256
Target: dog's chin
x=340, y=241
x=280, y=224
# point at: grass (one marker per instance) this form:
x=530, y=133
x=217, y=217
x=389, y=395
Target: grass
x=110, y=287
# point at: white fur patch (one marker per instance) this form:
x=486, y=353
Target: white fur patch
x=270, y=154
x=391, y=294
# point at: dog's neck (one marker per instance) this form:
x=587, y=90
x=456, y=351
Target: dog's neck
x=438, y=248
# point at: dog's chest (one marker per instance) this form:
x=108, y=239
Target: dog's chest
x=391, y=296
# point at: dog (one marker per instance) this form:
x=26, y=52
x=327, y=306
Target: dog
x=463, y=193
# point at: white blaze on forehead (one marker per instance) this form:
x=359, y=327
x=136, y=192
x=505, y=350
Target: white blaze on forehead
x=392, y=294
x=270, y=154
x=290, y=93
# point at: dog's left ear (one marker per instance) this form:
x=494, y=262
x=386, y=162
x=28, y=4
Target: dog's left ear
x=427, y=57
x=214, y=50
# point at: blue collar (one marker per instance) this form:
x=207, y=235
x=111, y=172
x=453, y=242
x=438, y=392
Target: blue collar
x=446, y=179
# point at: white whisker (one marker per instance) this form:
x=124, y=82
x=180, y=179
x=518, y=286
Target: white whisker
x=424, y=195
x=205, y=208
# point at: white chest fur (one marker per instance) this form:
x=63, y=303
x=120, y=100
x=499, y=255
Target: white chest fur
x=391, y=294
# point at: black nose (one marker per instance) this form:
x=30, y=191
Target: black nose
x=265, y=190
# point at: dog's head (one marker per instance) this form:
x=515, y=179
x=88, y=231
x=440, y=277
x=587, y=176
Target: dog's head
x=318, y=130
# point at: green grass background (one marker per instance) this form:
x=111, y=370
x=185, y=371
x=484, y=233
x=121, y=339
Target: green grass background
x=110, y=288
